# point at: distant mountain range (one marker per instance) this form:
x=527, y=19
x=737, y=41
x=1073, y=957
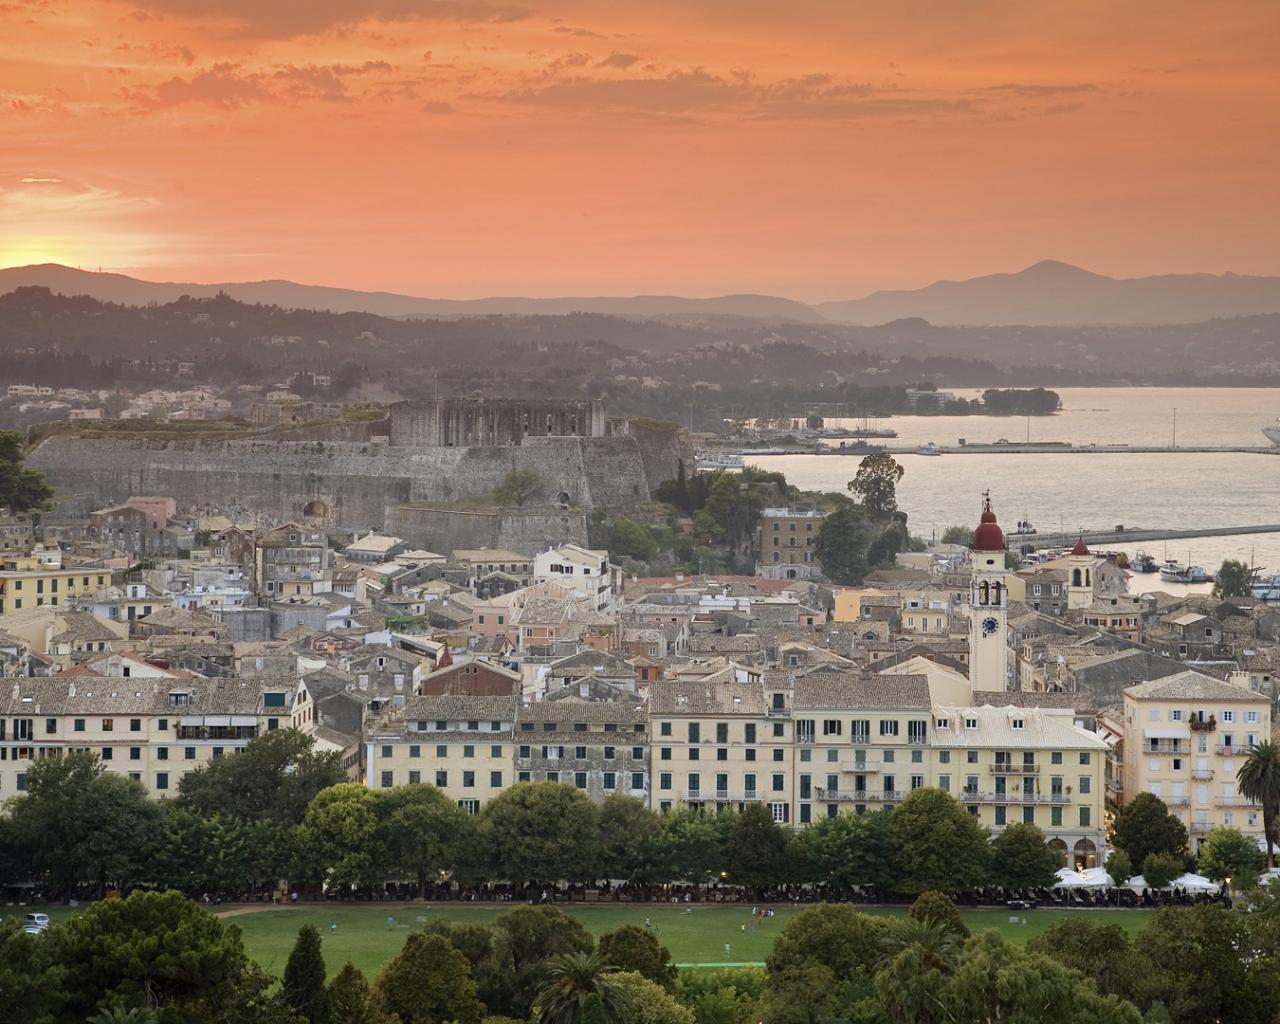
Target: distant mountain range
x=1048, y=293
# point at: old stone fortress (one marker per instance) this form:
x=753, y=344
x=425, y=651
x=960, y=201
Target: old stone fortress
x=412, y=472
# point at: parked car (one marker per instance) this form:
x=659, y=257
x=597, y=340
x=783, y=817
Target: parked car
x=34, y=924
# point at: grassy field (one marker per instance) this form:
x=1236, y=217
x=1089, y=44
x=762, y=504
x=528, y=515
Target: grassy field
x=696, y=936
x=364, y=937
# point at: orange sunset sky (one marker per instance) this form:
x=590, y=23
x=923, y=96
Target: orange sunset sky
x=817, y=148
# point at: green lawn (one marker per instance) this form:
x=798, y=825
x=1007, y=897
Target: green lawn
x=694, y=938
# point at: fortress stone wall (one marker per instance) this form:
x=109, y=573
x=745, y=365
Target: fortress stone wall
x=354, y=482
x=525, y=530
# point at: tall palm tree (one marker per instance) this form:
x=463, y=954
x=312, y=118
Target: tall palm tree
x=573, y=982
x=1259, y=780
x=919, y=957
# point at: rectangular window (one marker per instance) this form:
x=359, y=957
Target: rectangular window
x=162, y=780
x=415, y=777
x=1055, y=817
x=495, y=750
x=386, y=750
x=750, y=727
x=108, y=724
x=387, y=779
x=106, y=753
x=695, y=734
x=50, y=725
x=1084, y=817
x=664, y=780
x=722, y=732
x=610, y=780
x=495, y=780
x=442, y=779
x=637, y=780
x=469, y=780
x=664, y=728
x=888, y=727
x=135, y=753
x=135, y=725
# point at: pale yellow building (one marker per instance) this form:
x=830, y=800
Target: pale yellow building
x=1026, y=764
x=154, y=730
x=26, y=583
x=1185, y=737
x=462, y=745
x=720, y=745
x=862, y=741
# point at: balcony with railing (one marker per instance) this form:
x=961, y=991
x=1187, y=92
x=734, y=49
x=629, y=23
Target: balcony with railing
x=1232, y=750
x=1204, y=724
x=1199, y=828
x=1233, y=800
x=1007, y=768
x=1182, y=800
x=1202, y=774
x=974, y=796
x=1166, y=747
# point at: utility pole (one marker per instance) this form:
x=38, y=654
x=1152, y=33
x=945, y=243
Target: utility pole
x=1175, y=426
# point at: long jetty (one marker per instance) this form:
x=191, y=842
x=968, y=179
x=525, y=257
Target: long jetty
x=1125, y=535
x=1021, y=448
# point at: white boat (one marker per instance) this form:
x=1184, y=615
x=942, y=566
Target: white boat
x=762, y=451
x=1272, y=432
x=1175, y=572
x=928, y=449
x=719, y=460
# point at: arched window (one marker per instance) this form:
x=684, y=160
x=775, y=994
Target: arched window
x=1075, y=577
x=1059, y=847
x=1086, y=855
x=984, y=592
x=1088, y=580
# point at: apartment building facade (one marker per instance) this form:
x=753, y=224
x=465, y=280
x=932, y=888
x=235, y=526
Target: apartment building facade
x=1185, y=737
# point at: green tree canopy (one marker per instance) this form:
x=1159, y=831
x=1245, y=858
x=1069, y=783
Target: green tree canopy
x=420, y=831
x=542, y=832
x=692, y=845
x=847, y=850
x=630, y=837
x=841, y=545
x=734, y=506
x=526, y=937
x=632, y=948
x=153, y=949
x=21, y=489
x=428, y=982
x=78, y=823
x=940, y=844
x=336, y=841
x=274, y=778
x=628, y=539
x=834, y=936
x=876, y=485
x=1228, y=853
x=648, y=1002
x=940, y=909
x=757, y=848
x=962, y=535
x=1159, y=869
x=1021, y=859
x=1100, y=951
x=351, y=999
x=1233, y=579
x=1145, y=826
x=302, y=987
x=1120, y=867
x=519, y=487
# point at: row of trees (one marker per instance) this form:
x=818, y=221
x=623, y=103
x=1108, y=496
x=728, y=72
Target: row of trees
x=281, y=810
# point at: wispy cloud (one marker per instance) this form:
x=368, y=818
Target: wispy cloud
x=229, y=85
x=283, y=19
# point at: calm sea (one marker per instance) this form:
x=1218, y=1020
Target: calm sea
x=1081, y=492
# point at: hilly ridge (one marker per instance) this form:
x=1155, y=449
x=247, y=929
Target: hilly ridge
x=1049, y=293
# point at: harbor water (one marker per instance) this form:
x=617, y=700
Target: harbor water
x=1093, y=491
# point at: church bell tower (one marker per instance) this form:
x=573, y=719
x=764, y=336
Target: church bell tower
x=988, y=605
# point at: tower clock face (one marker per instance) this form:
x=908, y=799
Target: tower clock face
x=989, y=626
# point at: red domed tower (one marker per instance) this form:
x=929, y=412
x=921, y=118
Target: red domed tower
x=988, y=605
x=988, y=536
x=1081, y=547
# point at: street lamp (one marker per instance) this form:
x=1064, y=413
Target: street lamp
x=1228, y=881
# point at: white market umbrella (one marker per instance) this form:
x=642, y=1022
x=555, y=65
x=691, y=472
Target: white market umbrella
x=1194, y=883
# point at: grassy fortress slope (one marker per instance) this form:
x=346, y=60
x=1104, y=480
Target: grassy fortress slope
x=435, y=453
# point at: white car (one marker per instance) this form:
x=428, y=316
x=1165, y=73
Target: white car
x=34, y=924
